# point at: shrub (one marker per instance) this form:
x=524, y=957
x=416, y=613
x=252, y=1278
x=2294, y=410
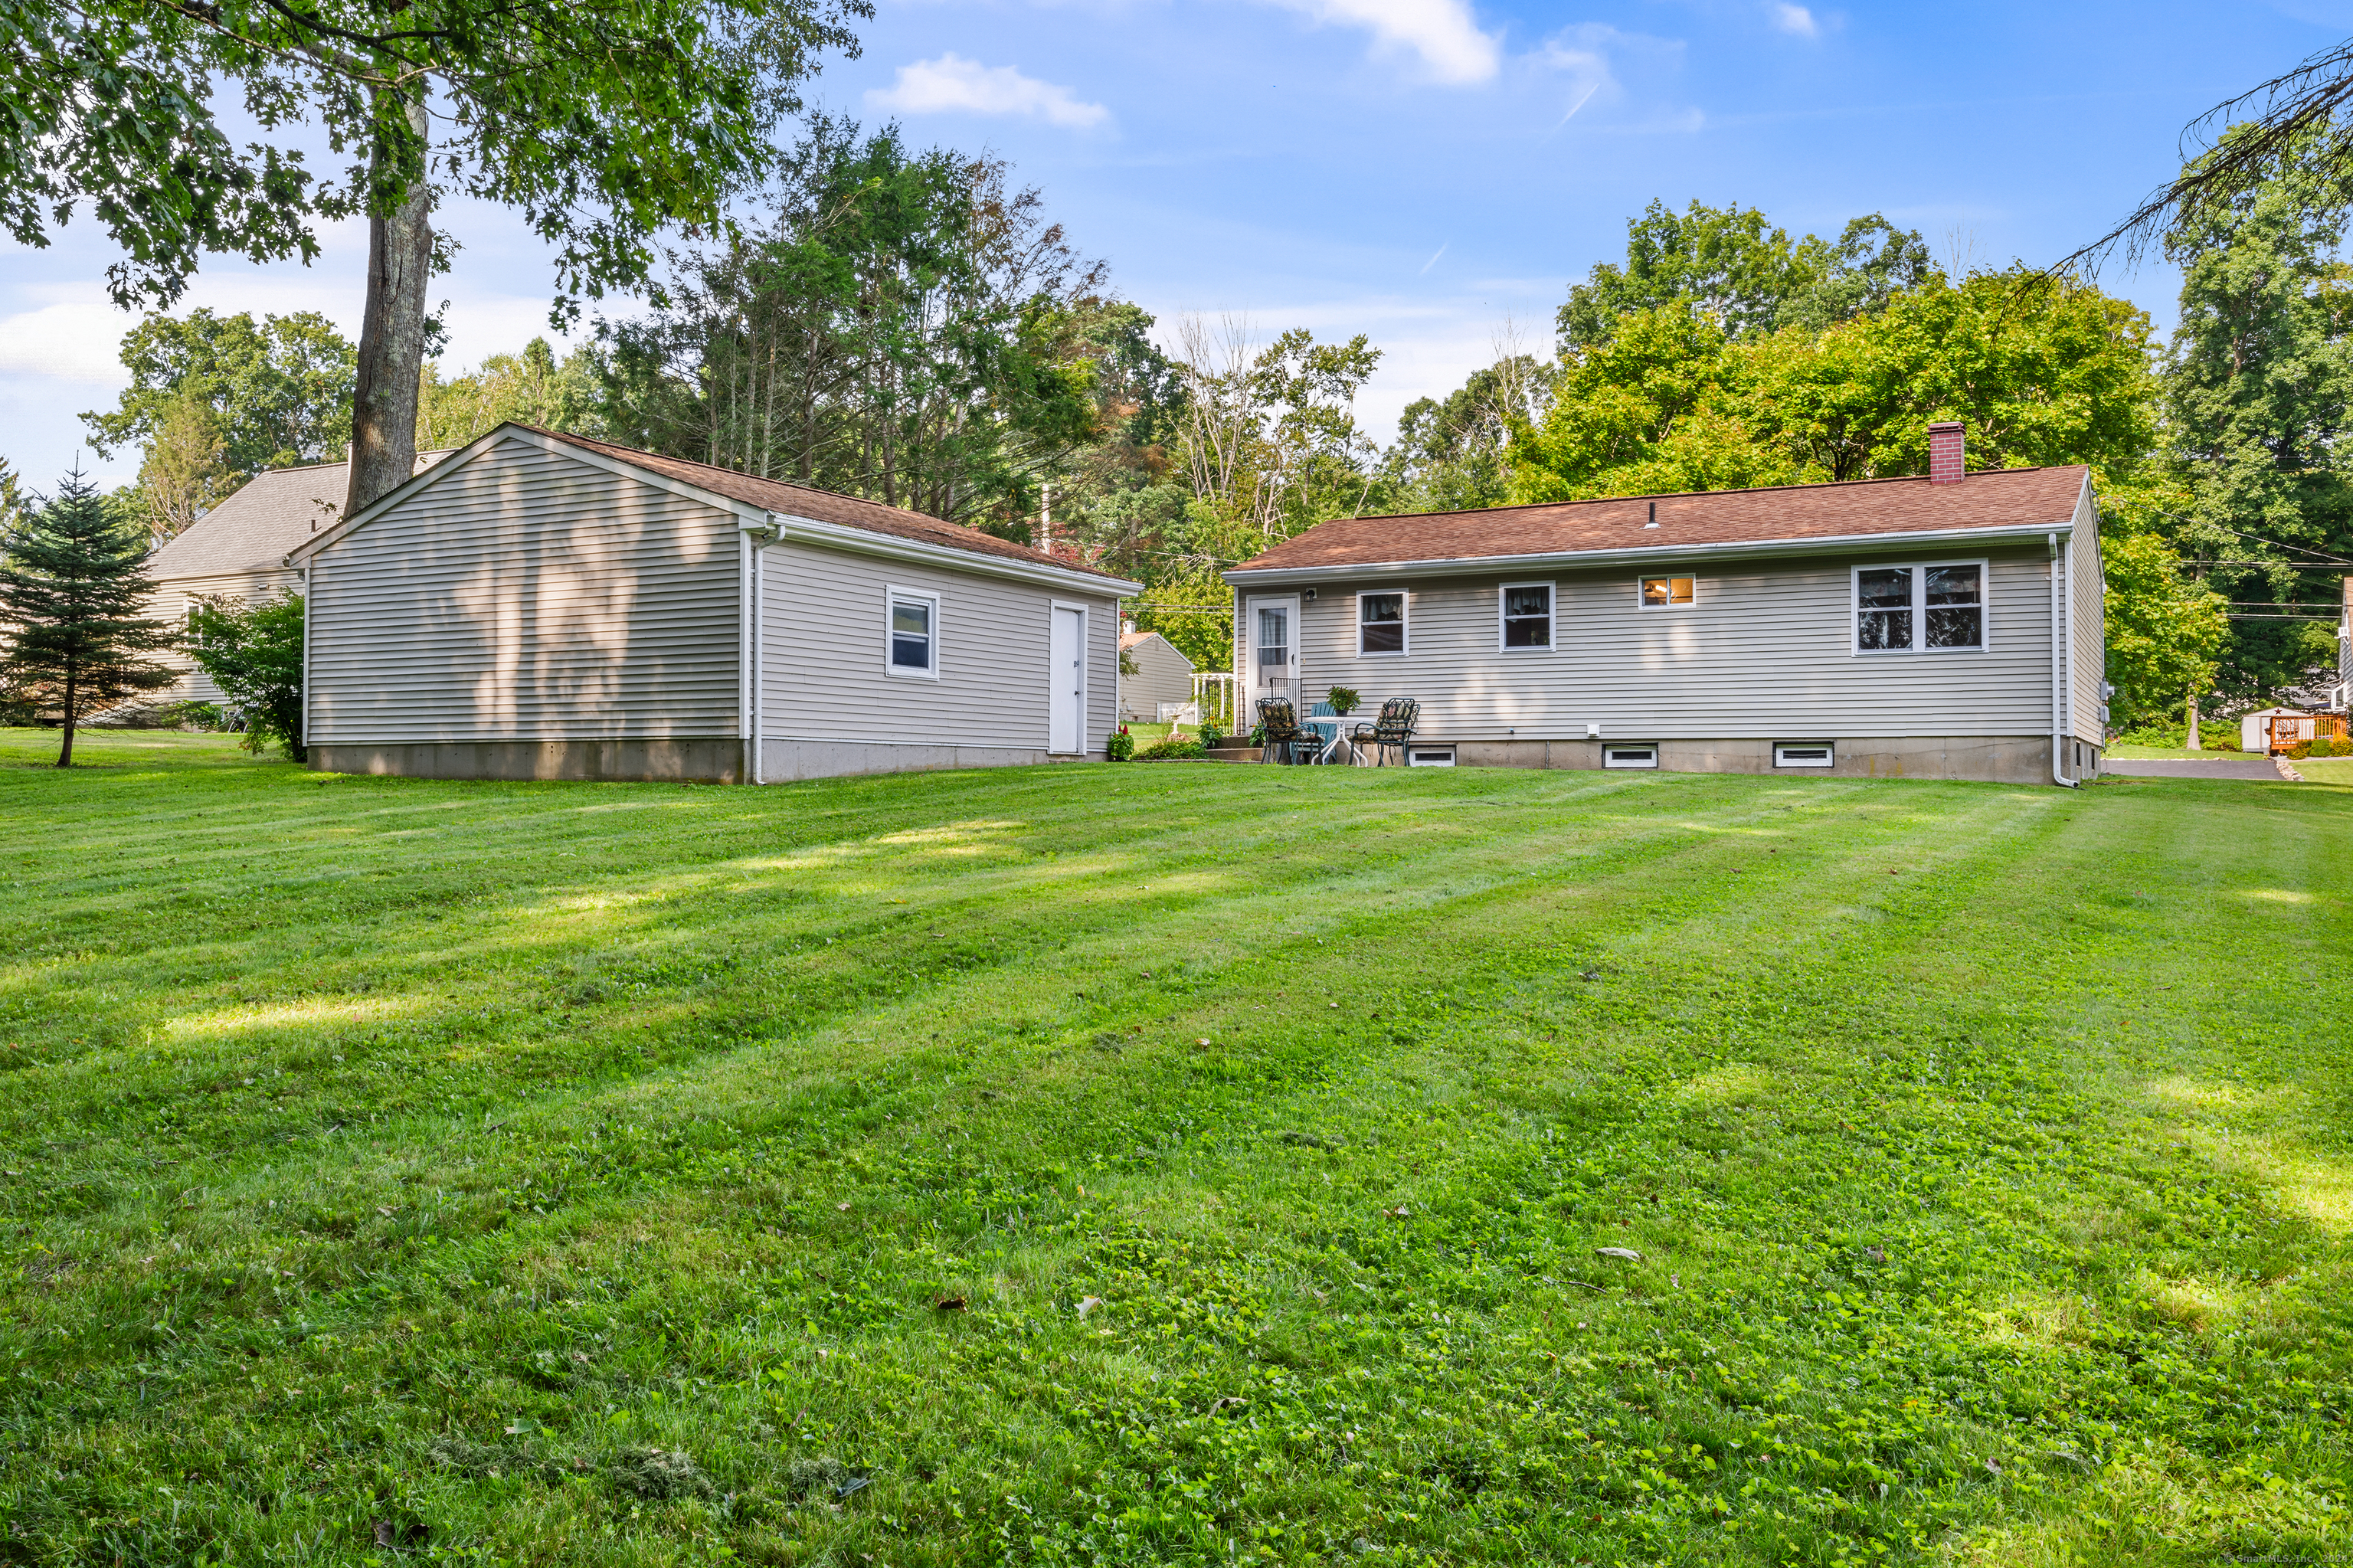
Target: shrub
x=1213, y=735
x=2300, y=750
x=1177, y=747
x=1121, y=746
x=198, y=716
x=255, y=654
x=2326, y=745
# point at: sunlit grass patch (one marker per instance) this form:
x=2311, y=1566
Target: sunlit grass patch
x=628, y=1174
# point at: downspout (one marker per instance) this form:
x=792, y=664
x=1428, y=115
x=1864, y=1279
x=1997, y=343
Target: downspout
x=761, y=539
x=2057, y=666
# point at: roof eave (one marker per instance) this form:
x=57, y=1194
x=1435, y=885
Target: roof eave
x=1460, y=566
x=897, y=546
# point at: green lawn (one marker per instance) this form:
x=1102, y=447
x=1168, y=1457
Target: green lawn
x=572, y=1174
x=2182, y=754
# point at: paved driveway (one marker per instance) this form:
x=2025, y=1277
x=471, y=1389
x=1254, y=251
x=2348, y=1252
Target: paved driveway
x=2163, y=769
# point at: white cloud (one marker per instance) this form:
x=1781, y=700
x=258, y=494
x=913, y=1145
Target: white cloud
x=74, y=338
x=952, y=82
x=1796, y=20
x=1443, y=32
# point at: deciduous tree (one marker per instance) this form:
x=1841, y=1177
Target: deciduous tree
x=604, y=121
x=254, y=654
x=279, y=390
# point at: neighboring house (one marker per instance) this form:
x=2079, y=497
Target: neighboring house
x=1162, y=675
x=539, y=606
x=238, y=551
x=1947, y=627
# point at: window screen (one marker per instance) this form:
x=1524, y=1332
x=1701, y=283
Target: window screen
x=1883, y=608
x=1380, y=623
x=1527, y=615
x=1956, y=606
x=910, y=634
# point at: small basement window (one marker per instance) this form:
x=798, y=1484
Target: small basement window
x=1661, y=593
x=1932, y=608
x=1380, y=623
x=914, y=633
x=1527, y=615
x=1429, y=756
x=1804, y=753
x=1630, y=757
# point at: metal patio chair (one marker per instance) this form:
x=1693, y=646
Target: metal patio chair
x=1391, y=731
x=1286, y=738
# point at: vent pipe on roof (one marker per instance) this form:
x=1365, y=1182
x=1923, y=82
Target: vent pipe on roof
x=1654, y=517
x=1945, y=457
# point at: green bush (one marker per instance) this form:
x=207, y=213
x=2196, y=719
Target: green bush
x=255, y=654
x=198, y=716
x=1213, y=735
x=1120, y=746
x=2327, y=746
x=1175, y=748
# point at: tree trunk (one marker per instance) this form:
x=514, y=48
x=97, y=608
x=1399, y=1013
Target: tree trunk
x=65, y=752
x=2192, y=742
x=392, y=344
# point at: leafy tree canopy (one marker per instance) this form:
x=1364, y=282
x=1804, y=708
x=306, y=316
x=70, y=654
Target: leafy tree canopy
x=1750, y=278
x=278, y=392
x=254, y=654
x=601, y=120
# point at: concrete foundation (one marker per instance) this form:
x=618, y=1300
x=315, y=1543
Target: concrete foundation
x=1998, y=760
x=695, y=761
x=782, y=761
x=698, y=761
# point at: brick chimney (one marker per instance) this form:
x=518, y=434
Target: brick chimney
x=1945, y=453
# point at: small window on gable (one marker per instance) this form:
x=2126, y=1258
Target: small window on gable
x=1380, y=623
x=1661, y=593
x=1527, y=615
x=1934, y=607
x=914, y=633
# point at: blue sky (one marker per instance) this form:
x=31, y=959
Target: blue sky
x=1432, y=172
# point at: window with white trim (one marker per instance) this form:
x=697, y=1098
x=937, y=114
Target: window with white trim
x=1526, y=610
x=913, y=631
x=1380, y=623
x=1666, y=593
x=1931, y=607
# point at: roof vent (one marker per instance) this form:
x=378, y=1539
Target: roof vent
x=1654, y=517
x=1945, y=462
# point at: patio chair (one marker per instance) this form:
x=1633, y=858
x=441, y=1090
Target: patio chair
x=1391, y=730
x=1286, y=738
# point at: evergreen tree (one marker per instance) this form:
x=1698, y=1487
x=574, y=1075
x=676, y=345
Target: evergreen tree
x=73, y=581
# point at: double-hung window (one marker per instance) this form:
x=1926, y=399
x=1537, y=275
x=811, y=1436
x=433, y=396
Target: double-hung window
x=1380, y=623
x=913, y=629
x=1934, y=608
x=1526, y=610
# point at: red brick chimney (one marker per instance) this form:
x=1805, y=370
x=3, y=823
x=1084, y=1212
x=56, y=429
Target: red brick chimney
x=1945, y=454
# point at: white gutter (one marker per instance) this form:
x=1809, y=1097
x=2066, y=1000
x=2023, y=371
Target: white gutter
x=865, y=541
x=2059, y=716
x=1837, y=543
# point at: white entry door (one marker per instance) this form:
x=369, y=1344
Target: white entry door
x=1067, y=681
x=1272, y=624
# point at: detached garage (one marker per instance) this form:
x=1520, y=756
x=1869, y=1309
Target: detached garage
x=540, y=606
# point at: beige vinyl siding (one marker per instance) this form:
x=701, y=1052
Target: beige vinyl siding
x=528, y=595
x=825, y=651
x=176, y=597
x=1162, y=676
x=1766, y=652
x=2087, y=639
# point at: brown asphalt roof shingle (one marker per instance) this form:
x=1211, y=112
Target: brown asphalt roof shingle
x=824, y=505
x=1992, y=498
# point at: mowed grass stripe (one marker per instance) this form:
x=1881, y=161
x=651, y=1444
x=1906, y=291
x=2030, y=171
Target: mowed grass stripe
x=1434, y=1383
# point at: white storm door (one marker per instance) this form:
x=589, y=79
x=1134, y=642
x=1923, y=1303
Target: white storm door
x=1066, y=656
x=1273, y=624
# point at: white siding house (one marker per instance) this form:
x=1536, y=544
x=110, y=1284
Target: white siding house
x=542, y=605
x=1162, y=675
x=1940, y=628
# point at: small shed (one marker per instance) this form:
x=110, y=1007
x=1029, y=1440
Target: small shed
x=1163, y=676
x=2266, y=729
x=543, y=605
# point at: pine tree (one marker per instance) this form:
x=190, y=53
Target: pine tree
x=73, y=580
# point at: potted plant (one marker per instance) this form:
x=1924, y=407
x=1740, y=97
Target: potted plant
x=1121, y=746
x=1344, y=699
